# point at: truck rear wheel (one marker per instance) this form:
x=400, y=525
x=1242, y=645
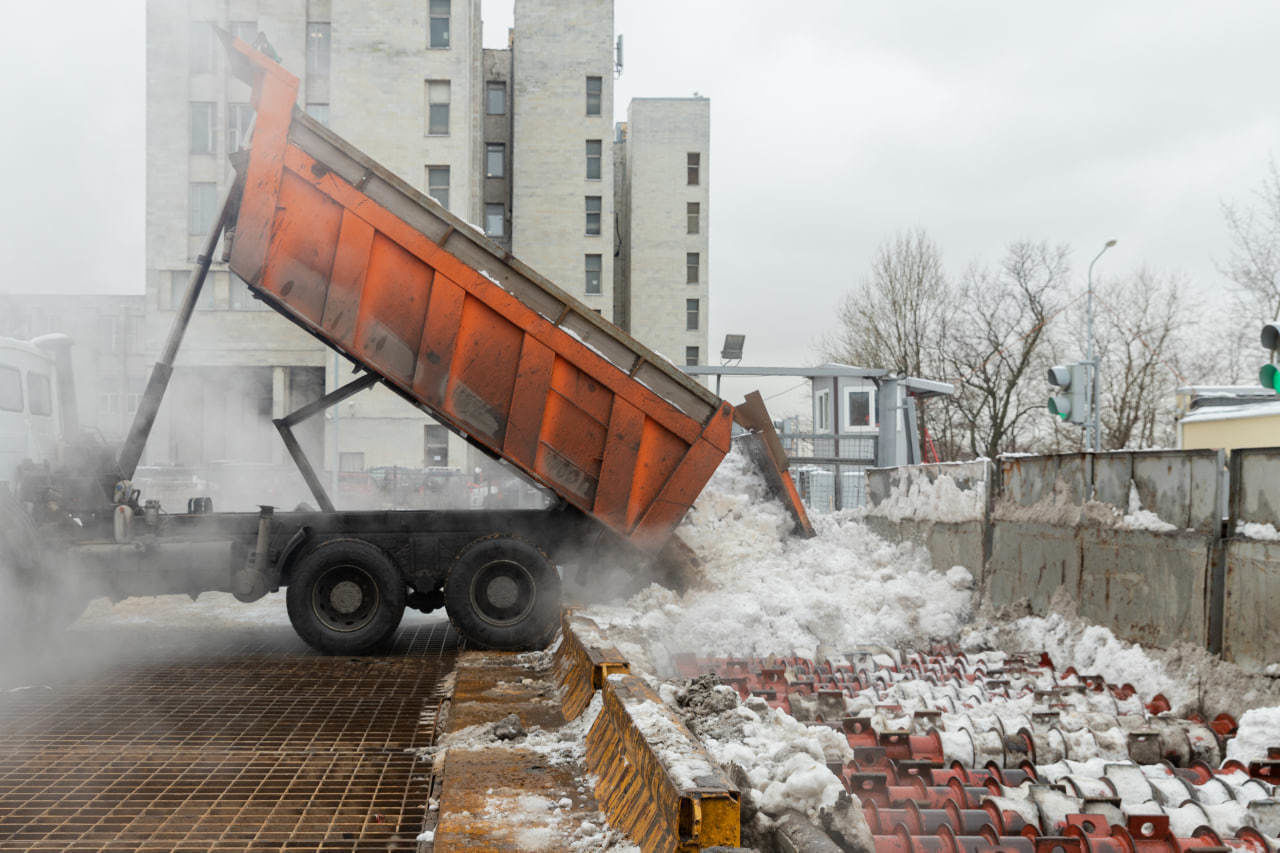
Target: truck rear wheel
x=503, y=593
x=345, y=596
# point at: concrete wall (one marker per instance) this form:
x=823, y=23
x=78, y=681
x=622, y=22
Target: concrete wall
x=1063, y=524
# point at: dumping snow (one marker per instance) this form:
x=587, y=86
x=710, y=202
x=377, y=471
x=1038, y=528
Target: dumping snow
x=916, y=497
x=767, y=592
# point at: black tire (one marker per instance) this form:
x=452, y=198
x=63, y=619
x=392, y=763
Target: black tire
x=503, y=593
x=345, y=597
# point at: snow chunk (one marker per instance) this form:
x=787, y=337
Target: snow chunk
x=1254, y=530
x=1143, y=519
x=1259, y=729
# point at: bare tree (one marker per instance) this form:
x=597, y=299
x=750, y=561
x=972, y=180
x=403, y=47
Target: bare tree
x=1143, y=326
x=995, y=348
x=896, y=316
x=1254, y=262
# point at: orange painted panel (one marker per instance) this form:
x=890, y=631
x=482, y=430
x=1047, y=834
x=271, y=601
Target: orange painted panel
x=483, y=372
x=350, y=260
x=660, y=453
x=439, y=335
x=300, y=257
x=626, y=423
x=589, y=395
x=393, y=308
x=528, y=402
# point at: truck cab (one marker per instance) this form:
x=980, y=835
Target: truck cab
x=30, y=419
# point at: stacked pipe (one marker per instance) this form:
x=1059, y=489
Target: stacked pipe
x=970, y=752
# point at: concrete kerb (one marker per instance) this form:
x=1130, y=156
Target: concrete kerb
x=640, y=788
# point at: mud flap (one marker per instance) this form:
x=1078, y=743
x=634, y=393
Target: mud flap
x=763, y=447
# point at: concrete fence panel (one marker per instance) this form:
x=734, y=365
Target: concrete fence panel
x=1251, y=603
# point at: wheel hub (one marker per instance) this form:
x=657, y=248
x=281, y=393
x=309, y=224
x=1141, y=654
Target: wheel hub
x=345, y=598
x=502, y=592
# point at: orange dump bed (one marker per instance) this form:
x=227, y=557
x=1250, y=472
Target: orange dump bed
x=451, y=321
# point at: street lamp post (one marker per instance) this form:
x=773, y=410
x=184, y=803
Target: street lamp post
x=1095, y=437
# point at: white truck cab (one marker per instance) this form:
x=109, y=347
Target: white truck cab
x=30, y=416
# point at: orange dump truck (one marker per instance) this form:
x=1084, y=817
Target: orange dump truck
x=421, y=302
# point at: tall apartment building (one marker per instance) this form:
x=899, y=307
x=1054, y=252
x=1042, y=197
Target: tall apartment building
x=519, y=141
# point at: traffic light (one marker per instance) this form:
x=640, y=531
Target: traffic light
x=1269, y=375
x=1072, y=402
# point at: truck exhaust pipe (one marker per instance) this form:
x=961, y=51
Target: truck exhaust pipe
x=255, y=579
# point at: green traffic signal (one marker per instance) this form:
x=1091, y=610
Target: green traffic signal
x=1269, y=377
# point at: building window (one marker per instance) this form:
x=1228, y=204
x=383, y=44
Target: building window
x=495, y=98
x=438, y=184
x=593, y=159
x=39, y=394
x=495, y=217
x=822, y=417
x=317, y=50
x=593, y=214
x=693, y=212
x=439, y=23
x=495, y=158
x=202, y=127
x=691, y=315
x=595, y=85
x=239, y=118
x=435, y=440
x=690, y=356
x=593, y=273
x=246, y=31
x=178, y=280
x=691, y=266
x=350, y=463
x=319, y=112
x=695, y=161
x=437, y=107
x=202, y=48
x=203, y=208
x=10, y=389
x=858, y=409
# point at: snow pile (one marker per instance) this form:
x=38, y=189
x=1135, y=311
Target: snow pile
x=1091, y=649
x=1259, y=730
x=1143, y=519
x=1254, y=530
x=778, y=763
x=916, y=497
x=770, y=593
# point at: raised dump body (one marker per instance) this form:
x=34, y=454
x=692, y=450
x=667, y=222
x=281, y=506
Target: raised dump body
x=455, y=324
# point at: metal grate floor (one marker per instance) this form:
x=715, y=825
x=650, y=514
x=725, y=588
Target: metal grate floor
x=259, y=744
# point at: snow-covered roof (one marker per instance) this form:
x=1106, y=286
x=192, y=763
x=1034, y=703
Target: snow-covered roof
x=1230, y=413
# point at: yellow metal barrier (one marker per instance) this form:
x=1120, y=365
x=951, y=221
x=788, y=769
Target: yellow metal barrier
x=639, y=790
x=583, y=663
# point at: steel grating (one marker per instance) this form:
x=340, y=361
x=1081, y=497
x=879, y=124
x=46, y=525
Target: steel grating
x=257, y=746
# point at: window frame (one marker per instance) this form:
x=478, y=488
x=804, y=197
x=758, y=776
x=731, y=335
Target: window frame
x=598, y=95
x=235, y=110
x=432, y=17
x=692, y=314
x=501, y=149
x=321, y=107
x=319, y=33
x=42, y=381
x=692, y=352
x=692, y=267
x=598, y=213
x=5, y=370
x=491, y=86
x=822, y=418
x=211, y=189
x=599, y=273
x=432, y=105
x=848, y=408
x=502, y=219
x=598, y=157
x=693, y=162
x=440, y=168
x=210, y=109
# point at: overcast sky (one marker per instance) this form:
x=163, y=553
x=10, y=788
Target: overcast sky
x=834, y=124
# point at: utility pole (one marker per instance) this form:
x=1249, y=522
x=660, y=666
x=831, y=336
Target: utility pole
x=1094, y=433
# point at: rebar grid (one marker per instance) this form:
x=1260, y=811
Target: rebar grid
x=240, y=750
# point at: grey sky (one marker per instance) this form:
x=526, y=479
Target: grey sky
x=834, y=124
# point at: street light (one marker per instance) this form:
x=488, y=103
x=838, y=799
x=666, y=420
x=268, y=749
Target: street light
x=1095, y=438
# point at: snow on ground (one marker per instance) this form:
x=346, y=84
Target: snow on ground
x=918, y=497
x=210, y=609
x=767, y=592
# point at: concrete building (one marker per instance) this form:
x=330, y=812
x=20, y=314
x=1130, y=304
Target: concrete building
x=663, y=281
x=517, y=140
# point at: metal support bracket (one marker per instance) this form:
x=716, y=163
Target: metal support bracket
x=286, y=424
